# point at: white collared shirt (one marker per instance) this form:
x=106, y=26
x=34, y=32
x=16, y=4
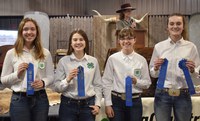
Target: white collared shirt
x=10, y=68
x=93, y=85
x=174, y=52
x=118, y=67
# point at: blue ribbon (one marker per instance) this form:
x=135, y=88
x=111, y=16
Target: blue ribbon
x=182, y=65
x=30, y=79
x=81, y=82
x=129, y=91
x=162, y=74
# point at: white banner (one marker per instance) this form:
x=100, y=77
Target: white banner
x=148, y=109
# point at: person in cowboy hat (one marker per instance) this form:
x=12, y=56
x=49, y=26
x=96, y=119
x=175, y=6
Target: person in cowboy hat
x=125, y=17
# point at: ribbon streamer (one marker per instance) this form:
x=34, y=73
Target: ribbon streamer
x=162, y=74
x=182, y=65
x=30, y=79
x=129, y=101
x=81, y=82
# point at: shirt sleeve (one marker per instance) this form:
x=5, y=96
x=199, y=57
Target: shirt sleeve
x=8, y=75
x=97, y=85
x=49, y=77
x=108, y=82
x=60, y=83
x=155, y=55
x=196, y=59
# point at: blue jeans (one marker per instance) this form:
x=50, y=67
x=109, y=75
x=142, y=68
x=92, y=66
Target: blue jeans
x=76, y=110
x=33, y=108
x=124, y=113
x=181, y=105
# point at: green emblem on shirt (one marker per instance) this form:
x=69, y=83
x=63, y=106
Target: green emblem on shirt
x=41, y=65
x=137, y=72
x=90, y=65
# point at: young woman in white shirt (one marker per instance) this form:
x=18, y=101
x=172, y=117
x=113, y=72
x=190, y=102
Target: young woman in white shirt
x=74, y=107
x=119, y=66
x=172, y=91
x=28, y=50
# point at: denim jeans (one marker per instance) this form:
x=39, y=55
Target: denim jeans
x=74, y=110
x=181, y=105
x=124, y=113
x=33, y=108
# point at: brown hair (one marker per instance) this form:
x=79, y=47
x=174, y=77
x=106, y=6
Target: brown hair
x=184, y=34
x=127, y=32
x=20, y=42
x=121, y=16
x=83, y=34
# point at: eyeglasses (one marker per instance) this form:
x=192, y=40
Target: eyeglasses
x=127, y=38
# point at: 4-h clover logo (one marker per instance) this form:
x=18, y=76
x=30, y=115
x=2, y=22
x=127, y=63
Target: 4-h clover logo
x=90, y=65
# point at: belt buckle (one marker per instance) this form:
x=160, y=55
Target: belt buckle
x=174, y=92
x=123, y=96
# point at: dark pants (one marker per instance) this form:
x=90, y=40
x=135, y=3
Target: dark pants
x=76, y=110
x=124, y=113
x=33, y=108
x=164, y=103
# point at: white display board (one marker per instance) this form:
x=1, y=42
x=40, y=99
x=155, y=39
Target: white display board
x=8, y=37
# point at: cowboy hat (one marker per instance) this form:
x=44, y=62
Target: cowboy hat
x=126, y=6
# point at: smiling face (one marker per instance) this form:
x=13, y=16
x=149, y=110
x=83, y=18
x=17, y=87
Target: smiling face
x=175, y=26
x=127, y=13
x=29, y=32
x=127, y=44
x=78, y=43
x=127, y=40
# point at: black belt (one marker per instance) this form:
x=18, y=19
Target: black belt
x=78, y=101
x=123, y=95
x=36, y=93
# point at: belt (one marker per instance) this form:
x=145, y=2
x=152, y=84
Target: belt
x=24, y=94
x=123, y=95
x=174, y=92
x=181, y=90
x=77, y=101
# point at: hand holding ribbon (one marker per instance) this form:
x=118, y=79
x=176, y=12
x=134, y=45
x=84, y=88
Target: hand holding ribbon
x=162, y=74
x=182, y=65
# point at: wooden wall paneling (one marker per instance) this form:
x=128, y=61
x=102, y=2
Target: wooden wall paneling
x=151, y=31
x=84, y=7
x=183, y=7
x=171, y=6
x=145, y=7
x=157, y=29
x=198, y=4
x=176, y=6
x=186, y=27
x=188, y=7
x=139, y=7
x=158, y=7
x=165, y=4
x=194, y=5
